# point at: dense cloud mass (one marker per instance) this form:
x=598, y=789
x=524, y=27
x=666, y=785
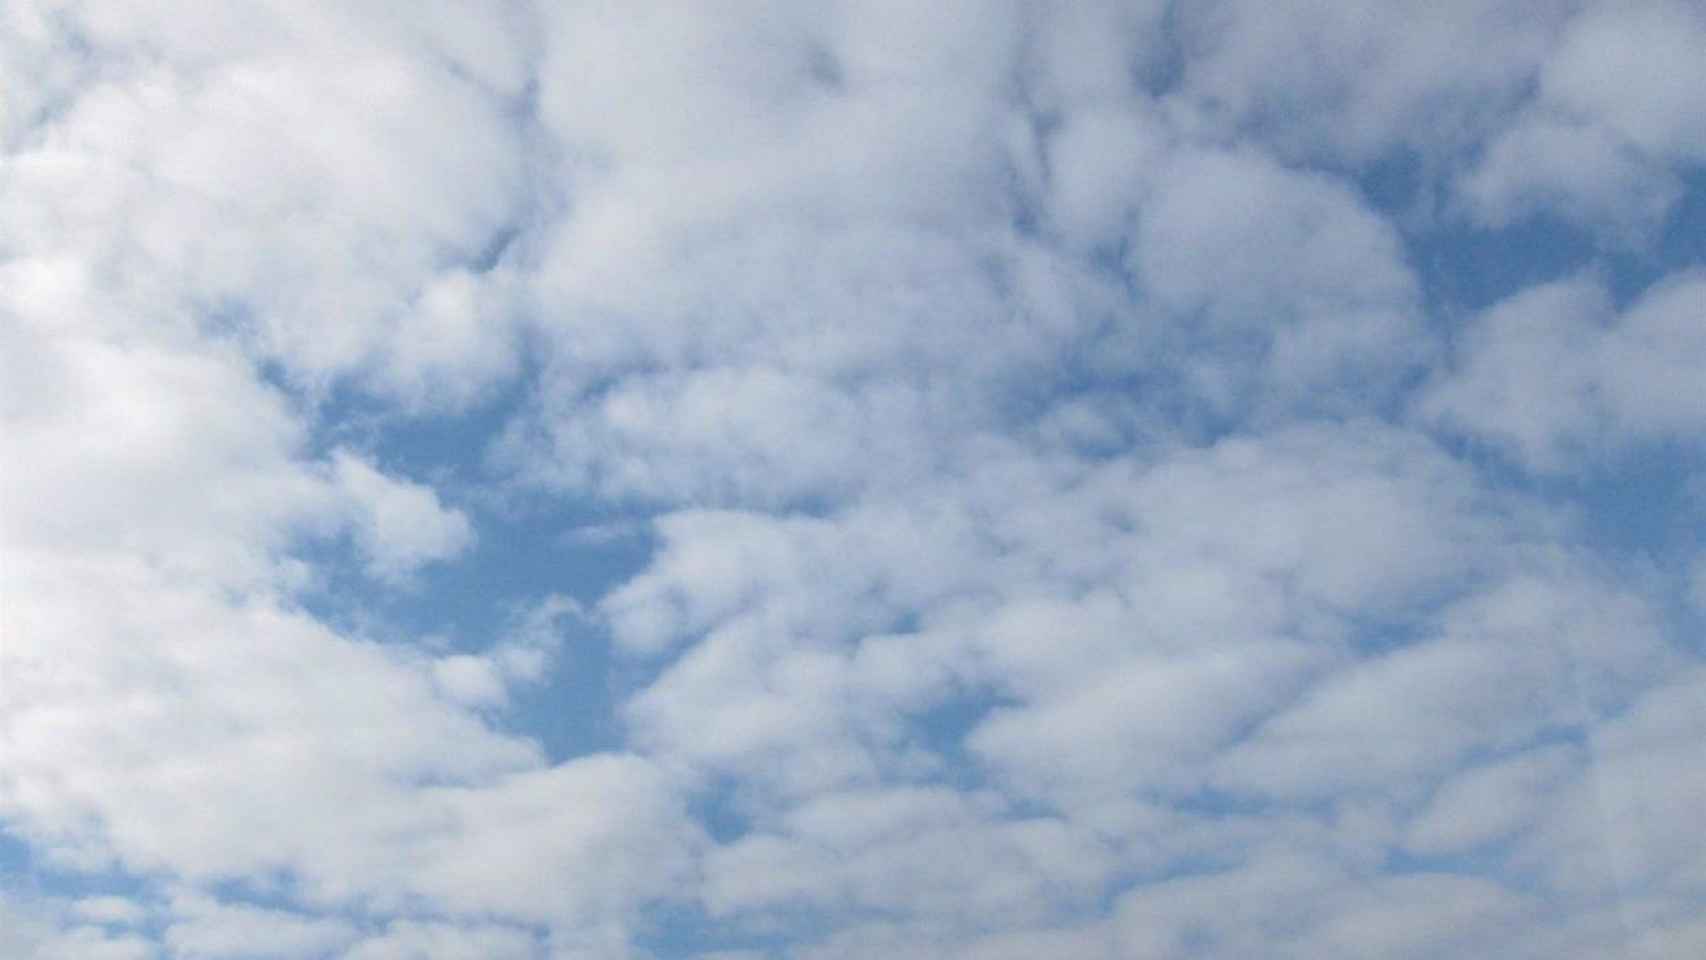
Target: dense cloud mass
x=756, y=480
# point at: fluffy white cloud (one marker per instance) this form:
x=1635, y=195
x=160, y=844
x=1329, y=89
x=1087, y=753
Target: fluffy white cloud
x=399, y=525
x=1301, y=903
x=1555, y=375
x=1488, y=803
x=1323, y=302
x=1352, y=81
x=924, y=853
x=1061, y=460
x=1573, y=170
x=110, y=910
x=286, y=175
x=204, y=928
x=1616, y=115
x=1633, y=69
x=404, y=940
x=1527, y=658
x=475, y=681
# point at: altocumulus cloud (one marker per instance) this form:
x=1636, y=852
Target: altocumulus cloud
x=811, y=479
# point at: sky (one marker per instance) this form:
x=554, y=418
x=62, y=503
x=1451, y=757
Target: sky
x=980, y=479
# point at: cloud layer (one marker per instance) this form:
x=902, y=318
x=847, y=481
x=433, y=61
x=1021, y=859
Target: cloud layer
x=974, y=480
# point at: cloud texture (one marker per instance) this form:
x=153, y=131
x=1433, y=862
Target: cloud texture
x=813, y=479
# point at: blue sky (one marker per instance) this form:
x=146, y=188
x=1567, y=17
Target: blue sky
x=986, y=479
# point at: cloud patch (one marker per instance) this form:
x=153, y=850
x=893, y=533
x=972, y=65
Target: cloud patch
x=837, y=479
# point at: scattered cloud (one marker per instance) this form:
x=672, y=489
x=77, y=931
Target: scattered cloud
x=1556, y=374
x=1002, y=479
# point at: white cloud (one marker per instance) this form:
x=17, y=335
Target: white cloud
x=44, y=929
x=1527, y=657
x=1633, y=68
x=469, y=680
x=114, y=911
x=405, y=940
x=1054, y=553
x=1323, y=298
x=1354, y=81
x=1131, y=622
x=1616, y=116
x=1579, y=172
x=1487, y=804
x=1555, y=376
x=1298, y=903
x=1102, y=165
x=615, y=823
x=925, y=853
x=1618, y=828
x=205, y=928
x=163, y=448
x=299, y=751
x=169, y=709
x=290, y=172
x=399, y=525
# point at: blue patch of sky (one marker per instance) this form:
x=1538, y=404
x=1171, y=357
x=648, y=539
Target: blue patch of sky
x=1645, y=514
x=1683, y=240
x=275, y=890
x=1393, y=182
x=1469, y=269
x=477, y=601
x=1163, y=72
x=16, y=859
x=496, y=247
x=574, y=713
x=942, y=731
x=1491, y=858
x=1633, y=504
x=718, y=810
x=1215, y=804
x=1465, y=268
x=528, y=546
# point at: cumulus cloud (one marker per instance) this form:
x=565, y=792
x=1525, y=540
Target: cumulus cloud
x=405, y=939
x=399, y=525
x=202, y=927
x=1615, y=119
x=1631, y=70
x=1555, y=373
x=1061, y=504
x=1349, y=82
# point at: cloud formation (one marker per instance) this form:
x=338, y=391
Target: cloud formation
x=825, y=479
